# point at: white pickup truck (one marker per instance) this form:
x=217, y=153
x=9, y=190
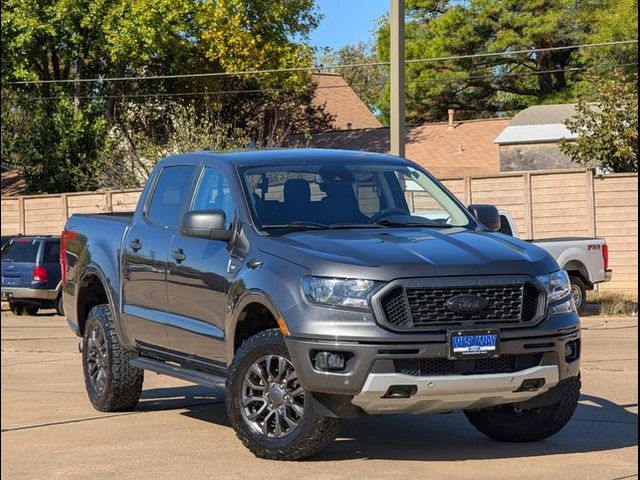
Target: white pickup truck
x=585, y=259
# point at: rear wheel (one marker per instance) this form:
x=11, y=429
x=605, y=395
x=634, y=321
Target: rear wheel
x=509, y=424
x=22, y=309
x=269, y=410
x=579, y=293
x=58, y=306
x=112, y=384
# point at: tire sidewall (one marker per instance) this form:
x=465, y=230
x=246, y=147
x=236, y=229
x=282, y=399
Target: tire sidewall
x=266, y=343
x=576, y=282
x=96, y=398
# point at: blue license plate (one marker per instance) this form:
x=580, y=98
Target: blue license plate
x=473, y=344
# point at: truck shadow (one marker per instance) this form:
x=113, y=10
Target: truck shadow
x=597, y=425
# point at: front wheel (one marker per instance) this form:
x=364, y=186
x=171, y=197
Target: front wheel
x=510, y=424
x=271, y=413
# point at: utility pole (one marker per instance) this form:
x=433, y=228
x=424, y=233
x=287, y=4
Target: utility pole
x=397, y=78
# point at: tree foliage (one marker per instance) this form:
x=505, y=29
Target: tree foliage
x=369, y=81
x=489, y=86
x=61, y=134
x=607, y=129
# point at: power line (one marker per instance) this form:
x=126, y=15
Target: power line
x=329, y=87
x=319, y=68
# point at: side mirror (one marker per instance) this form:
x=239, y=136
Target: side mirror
x=207, y=224
x=487, y=215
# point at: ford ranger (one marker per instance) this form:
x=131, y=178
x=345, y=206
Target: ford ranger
x=303, y=279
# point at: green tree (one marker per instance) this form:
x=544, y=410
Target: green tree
x=73, y=39
x=607, y=129
x=368, y=82
x=488, y=86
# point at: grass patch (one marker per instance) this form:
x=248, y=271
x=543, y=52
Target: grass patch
x=612, y=303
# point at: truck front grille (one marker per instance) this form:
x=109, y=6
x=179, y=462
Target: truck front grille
x=426, y=307
x=445, y=366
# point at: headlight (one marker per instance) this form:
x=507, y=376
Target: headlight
x=556, y=284
x=339, y=292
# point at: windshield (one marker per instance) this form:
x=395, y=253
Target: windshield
x=331, y=195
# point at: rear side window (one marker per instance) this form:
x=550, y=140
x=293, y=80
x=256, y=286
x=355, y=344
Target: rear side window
x=505, y=227
x=169, y=195
x=51, y=252
x=21, y=250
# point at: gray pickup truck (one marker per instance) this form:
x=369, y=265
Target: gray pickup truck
x=304, y=280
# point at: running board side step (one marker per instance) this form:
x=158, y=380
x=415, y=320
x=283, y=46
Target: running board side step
x=201, y=378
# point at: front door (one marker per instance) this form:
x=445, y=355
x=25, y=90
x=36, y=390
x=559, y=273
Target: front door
x=198, y=279
x=146, y=248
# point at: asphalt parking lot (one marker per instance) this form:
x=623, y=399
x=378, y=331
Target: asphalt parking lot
x=178, y=430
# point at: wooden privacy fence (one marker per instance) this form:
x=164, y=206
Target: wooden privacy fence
x=545, y=204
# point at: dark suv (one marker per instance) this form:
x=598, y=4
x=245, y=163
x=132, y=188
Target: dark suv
x=31, y=274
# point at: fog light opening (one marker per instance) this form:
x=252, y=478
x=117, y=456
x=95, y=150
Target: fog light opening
x=329, y=361
x=572, y=350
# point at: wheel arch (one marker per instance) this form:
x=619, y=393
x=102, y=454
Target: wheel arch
x=576, y=268
x=94, y=289
x=254, y=312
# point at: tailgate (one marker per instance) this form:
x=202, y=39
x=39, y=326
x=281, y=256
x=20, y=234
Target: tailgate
x=17, y=274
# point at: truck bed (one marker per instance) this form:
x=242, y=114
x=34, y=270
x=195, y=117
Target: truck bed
x=122, y=217
x=563, y=239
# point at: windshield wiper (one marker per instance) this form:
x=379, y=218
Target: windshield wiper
x=392, y=223
x=298, y=225
x=347, y=226
x=306, y=225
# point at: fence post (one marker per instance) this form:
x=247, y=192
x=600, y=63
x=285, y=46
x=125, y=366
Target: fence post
x=468, y=198
x=109, y=201
x=21, y=218
x=591, y=203
x=528, y=204
x=65, y=207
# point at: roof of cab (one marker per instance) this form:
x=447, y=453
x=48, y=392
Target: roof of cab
x=250, y=157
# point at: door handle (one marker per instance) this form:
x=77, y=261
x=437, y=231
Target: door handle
x=135, y=244
x=178, y=255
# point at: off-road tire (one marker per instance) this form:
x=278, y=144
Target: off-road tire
x=504, y=424
x=314, y=433
x=124, y=382
x=577, y=282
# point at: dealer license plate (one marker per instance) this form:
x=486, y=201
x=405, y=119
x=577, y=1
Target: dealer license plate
x=479, y=343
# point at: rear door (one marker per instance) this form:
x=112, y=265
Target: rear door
x=146, y=249
x=18, y=259
x=197, y=284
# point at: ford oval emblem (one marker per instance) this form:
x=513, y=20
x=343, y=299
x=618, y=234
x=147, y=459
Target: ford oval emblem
x=467, y=304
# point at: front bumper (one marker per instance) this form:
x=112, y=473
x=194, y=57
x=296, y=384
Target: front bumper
x=21, y=293
x=443, y=393
x=370, y=369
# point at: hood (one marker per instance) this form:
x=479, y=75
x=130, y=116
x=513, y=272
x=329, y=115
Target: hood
x=387, y=254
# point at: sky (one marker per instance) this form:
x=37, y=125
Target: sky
x=347, y=21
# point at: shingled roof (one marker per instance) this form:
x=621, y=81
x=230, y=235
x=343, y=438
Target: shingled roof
x=12, y=182
x=342, y=102
x=464, y=149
